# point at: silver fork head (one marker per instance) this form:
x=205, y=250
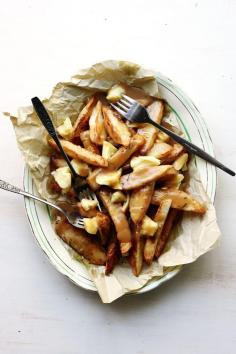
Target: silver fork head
x=75, y=219
x=130, y=109
x=69, y=211
x=80, y=187
x=87, y=193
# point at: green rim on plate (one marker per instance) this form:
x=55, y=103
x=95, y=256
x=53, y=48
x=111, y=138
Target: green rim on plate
x=194, y=127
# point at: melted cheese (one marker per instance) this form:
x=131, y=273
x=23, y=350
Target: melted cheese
x=91, y=225
x=81, y=168
x=110, y=178
x=115, y=93
x=88, y=204
x=149, y=227
x=62, y=176
x=66, y=129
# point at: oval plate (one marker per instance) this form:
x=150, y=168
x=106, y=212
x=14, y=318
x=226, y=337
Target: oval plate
x=194, y=127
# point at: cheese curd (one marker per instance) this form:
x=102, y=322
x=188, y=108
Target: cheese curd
x=62, y=176
x=115, y=93
x=110, y=178
x=144, y=162
x=88, y=204
x=66, y=129
x=149, y=227
x=91, y=225
x=81, y=168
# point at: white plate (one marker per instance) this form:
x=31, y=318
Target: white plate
x=195, y=130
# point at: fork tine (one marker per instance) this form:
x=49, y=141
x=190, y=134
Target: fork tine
x=79, y=225
x=93, y=196
x=119, y=110
x=129, y=99
x=86, y=193
x=125, y=108
x=125, y=103
x=89, y=194
x=82, y=195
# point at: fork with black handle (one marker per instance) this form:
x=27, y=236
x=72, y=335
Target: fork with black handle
x=78, y=183
x=134, y=112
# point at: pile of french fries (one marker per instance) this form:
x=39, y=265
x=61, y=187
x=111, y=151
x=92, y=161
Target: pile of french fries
x=138, y=173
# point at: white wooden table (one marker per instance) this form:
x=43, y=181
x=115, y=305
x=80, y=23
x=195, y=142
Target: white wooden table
x=45, y=42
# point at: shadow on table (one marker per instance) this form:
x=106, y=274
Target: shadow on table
x=199, y=270
x=194, y=272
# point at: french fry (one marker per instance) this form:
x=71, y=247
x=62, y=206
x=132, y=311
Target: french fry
x=160, y=150
x=91, y=179
x=125, y=247
x=86, y=213
x=170, y=174
x=104, y=226
x=96, y=124
x=139, y=202
x=117, y=215
x=124, y=153
x=115, y=127
x=138, y=95
x=58, y=162
x=151, y=242
x=117, y=160
x=118, y=197
x=125, y=206
x=81, y=242
x=136, y=254
x=87, y=142
x=113, y=255
x=71, y=193
x=177, y=149
x=156, y=111
x=77, y=152
x=108, y=150
x=174, y=181
x=142, y=176
x=53, y=186
x=172, y=127
x=83, y=118
x=148, y=131
x=166, y=138
x=163, y=239
x=163, y=137
x=180, y=162
x=180, y=200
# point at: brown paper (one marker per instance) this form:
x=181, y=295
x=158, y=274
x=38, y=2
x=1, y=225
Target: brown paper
x=194, y=236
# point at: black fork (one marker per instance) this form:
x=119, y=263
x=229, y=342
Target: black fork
x=78, y=183
x=134, y=112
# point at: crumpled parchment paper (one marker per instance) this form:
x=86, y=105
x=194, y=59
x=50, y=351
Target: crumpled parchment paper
x=194, y=236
